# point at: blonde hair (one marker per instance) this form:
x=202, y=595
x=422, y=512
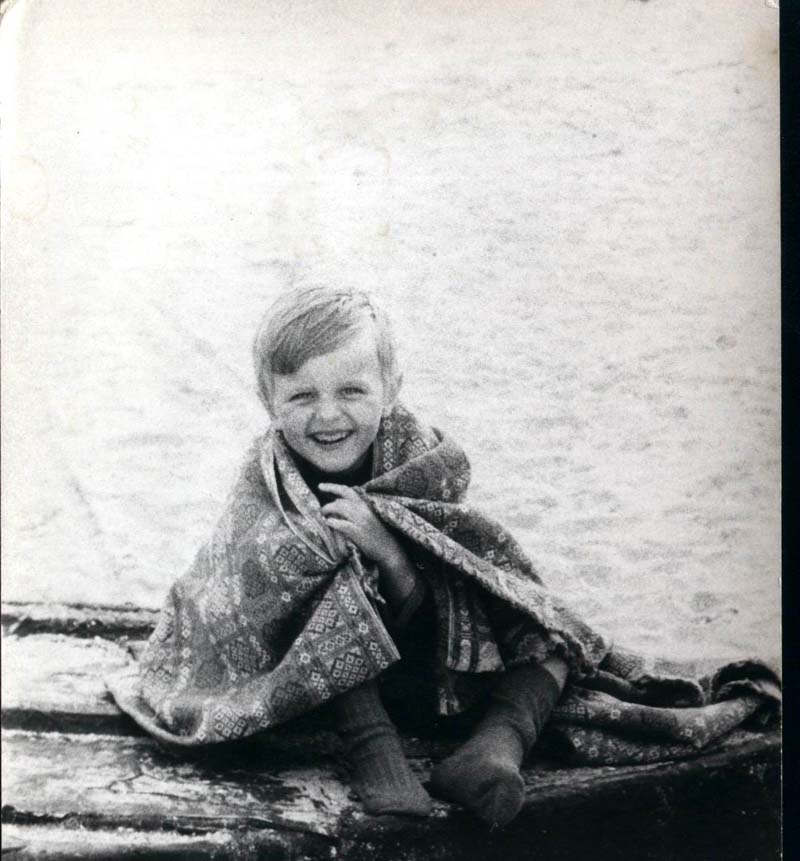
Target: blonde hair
x=310, y=321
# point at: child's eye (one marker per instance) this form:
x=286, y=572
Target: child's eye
x=300, y=397
x=351, y=391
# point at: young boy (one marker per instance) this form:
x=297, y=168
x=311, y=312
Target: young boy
x=345, y=536
x=328, y=375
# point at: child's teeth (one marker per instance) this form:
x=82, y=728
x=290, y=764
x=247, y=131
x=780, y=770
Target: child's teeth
x=331, y=437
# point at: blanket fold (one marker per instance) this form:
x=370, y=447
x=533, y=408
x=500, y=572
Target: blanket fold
x=278, y=614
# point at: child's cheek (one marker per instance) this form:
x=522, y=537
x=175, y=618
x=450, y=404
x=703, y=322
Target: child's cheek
x=288, y=416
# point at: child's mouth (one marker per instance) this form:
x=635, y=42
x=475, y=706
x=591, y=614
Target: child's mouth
x=330, y=438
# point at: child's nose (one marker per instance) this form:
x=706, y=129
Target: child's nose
x=327, y=410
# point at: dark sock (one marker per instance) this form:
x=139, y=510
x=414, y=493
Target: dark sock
x=484, y=773
x=382, y=776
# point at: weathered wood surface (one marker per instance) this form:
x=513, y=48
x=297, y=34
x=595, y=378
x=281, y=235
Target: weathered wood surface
x=76, y=771
x=55, y=843
x=77, y=620
x=114, y=780
x=54, y=682
x=103, y=782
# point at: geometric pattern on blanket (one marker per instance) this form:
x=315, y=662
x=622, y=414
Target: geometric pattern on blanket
x=277, y=615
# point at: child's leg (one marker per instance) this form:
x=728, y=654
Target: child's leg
x=484, y=773
x=383, y=777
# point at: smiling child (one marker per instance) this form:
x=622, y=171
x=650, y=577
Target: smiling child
x=346, y=546
x=327, y=395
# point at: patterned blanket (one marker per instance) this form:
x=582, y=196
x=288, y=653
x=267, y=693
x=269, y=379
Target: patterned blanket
x=279, y=614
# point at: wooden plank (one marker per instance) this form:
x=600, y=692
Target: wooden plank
x=721, y=805
x=110, y=781
x=54, y=682
x=54, y=843
x=726, y=799
x=77, y=620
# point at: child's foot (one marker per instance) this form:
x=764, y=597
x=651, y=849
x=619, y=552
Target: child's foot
x=483, y=775
x=382, y=776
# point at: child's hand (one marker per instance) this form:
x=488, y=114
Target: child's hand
x=352, y=517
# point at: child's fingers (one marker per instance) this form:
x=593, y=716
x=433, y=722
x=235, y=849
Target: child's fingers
x=340, y=508
x=339, y=490
x=343, y=526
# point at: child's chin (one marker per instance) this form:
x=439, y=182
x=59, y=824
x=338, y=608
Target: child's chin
x=335, y=462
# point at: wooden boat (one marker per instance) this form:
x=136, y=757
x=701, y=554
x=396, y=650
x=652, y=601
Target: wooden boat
x=81, y=781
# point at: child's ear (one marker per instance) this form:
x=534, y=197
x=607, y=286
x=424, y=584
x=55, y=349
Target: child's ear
x=392, y=393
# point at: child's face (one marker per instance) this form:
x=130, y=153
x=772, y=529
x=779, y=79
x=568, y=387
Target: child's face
x=329, y=410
